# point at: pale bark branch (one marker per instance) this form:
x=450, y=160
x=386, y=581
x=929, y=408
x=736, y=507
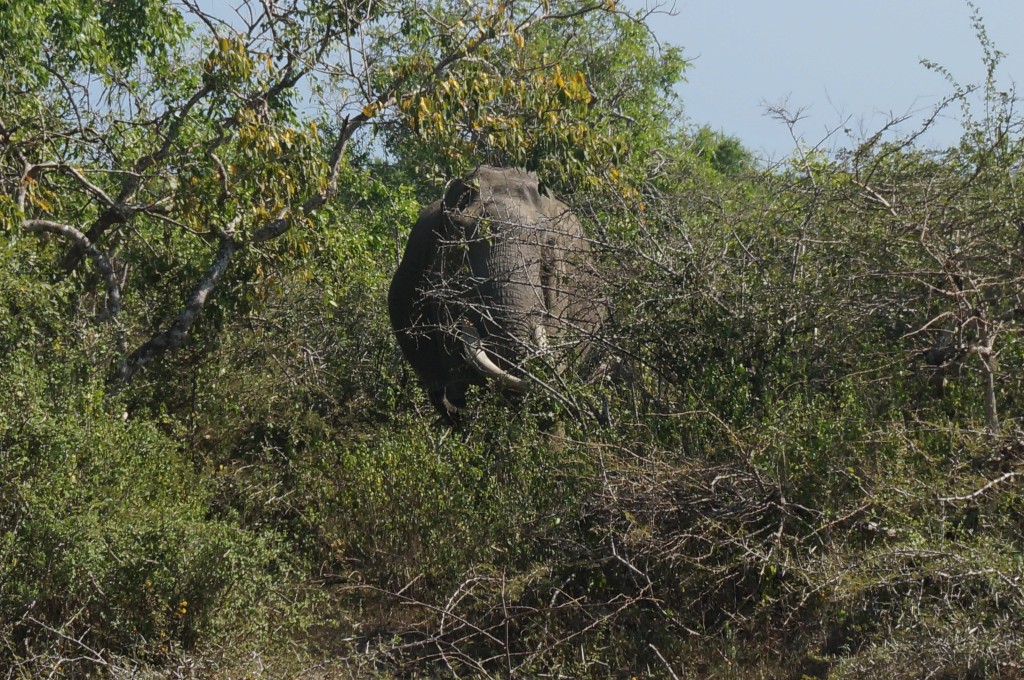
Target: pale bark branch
x=177, y=332
x=113, y=306
x=975, y=494
x=98, y=193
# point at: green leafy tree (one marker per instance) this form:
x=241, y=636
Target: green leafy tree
x=184, y=155
x=724, y=153
x=580, y=100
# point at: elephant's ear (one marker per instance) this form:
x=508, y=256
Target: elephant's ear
x=460, y=194
x=461, y=207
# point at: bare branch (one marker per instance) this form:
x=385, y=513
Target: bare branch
x=177, y=333
x=117, y=211
x=975, y=494
x=98, y=193
x=113, y=306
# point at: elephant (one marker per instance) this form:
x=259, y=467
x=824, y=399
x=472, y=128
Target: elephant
x=496, y=272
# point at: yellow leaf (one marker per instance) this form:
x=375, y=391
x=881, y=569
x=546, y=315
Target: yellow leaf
x=519, y=40
x=579, y=82
x=370, y=110
x=41, y=203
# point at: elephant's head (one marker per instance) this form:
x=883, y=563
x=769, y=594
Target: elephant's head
x=493, y=273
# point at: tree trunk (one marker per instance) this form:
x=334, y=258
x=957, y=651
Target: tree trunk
x=988, y=364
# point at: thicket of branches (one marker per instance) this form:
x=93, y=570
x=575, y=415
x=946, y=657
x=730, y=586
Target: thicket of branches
x=802, y=457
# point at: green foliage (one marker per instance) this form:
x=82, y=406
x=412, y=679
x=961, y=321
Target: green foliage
x=723, y=153
x=107, y=539
x=422, y=507
x=579, y=101
x=44, y=40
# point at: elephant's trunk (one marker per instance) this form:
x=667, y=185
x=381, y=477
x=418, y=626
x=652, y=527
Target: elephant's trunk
x=506, y=266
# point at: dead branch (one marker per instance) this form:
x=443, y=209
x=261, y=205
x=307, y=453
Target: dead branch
x=980, y=491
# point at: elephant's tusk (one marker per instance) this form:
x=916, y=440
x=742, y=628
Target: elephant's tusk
x=477, y=356
x=540, y=336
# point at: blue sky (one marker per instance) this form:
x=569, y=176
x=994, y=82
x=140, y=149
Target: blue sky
x=848, y=63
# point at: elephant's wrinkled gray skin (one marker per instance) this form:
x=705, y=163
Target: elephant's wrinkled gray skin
x=494, y=272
